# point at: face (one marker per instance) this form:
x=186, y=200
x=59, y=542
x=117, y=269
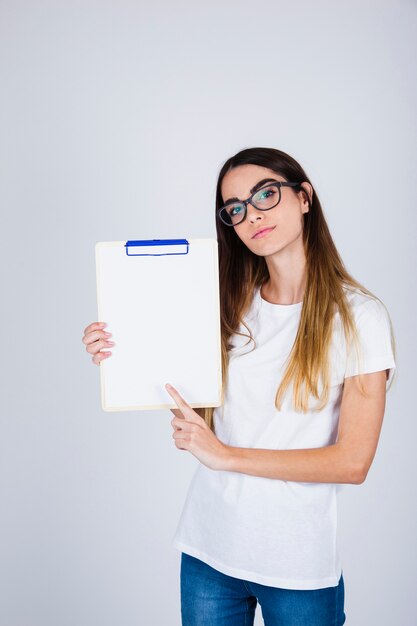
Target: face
x=286, y=217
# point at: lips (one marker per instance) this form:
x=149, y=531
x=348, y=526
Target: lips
x=263, y=232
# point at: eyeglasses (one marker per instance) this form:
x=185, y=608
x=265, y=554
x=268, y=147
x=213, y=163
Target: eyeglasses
x=265, y=198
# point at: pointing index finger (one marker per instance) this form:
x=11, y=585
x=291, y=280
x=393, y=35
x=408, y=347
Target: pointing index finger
x=174, y=393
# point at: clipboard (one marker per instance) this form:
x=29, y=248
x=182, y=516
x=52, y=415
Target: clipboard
x=160, y=300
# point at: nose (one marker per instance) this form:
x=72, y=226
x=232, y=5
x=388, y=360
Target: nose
x=253, y=214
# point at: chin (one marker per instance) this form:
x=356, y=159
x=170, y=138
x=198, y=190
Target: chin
x=266, y=250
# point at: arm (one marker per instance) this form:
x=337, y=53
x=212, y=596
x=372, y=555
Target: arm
x=346, y=461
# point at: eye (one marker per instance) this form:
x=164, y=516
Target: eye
x=265, y=194
x=267, y=197
x=234, y=210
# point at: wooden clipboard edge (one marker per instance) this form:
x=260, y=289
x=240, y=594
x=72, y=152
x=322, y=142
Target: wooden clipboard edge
x=157, y=407
x=101, y=244
x=214, y=404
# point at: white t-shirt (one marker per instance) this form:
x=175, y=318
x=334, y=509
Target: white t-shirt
x=277, y=532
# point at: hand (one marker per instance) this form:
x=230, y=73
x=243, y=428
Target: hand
x=95, y=339
x=192, y=433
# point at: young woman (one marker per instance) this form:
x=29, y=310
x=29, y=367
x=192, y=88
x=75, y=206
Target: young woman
x=303, y=402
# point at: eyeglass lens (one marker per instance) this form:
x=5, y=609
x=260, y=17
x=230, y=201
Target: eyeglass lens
x=265, y=198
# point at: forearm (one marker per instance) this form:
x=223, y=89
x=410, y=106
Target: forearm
x=330, y=464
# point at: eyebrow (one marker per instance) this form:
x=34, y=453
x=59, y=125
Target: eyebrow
x=254, y=188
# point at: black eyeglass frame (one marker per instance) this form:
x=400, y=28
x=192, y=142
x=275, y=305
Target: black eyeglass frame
x=277, y=183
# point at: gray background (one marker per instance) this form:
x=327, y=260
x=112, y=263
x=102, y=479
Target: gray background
x=115, y=120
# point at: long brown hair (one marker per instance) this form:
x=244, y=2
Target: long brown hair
x=241, y=271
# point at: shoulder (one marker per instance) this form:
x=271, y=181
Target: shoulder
x=365, y=305
x=370, y=316
x=375, y=334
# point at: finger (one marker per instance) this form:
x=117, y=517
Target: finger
x=99, y=345
x=94, y=326
x=100, y=356
x=184, y=426
x=181, y=437
x=177, y=397
x=95, y=335
x=178, y=422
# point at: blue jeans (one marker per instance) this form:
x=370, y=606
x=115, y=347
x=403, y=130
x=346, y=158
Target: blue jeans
x=210, y=598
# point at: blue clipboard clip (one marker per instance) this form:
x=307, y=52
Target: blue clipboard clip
x=156, y=247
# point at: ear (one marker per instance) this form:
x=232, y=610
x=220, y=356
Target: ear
x=306, y=194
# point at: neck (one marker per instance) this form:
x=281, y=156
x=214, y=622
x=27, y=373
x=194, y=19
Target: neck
x=287, y=277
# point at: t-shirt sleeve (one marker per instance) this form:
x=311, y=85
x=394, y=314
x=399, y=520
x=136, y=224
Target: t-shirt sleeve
x=374, y=334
